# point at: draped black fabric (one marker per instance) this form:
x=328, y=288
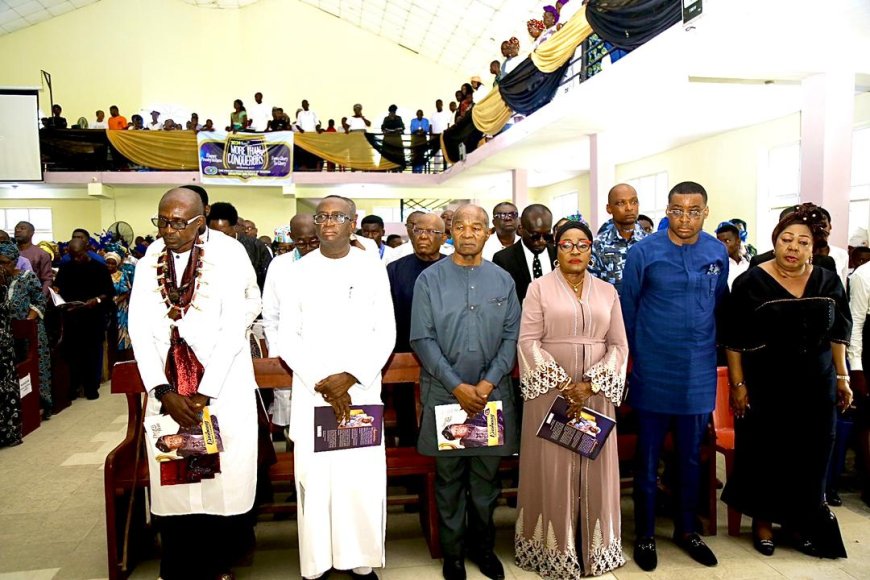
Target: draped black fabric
x=526, y=89
x=462, y=132
x=630, y=23
x=78, y=150
x=417, y=152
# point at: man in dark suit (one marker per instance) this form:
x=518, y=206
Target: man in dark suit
x=533, y=255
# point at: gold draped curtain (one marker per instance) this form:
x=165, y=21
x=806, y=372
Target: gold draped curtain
x=177, y=150
x=556, y=50
x=491, y=114
x=350, y=150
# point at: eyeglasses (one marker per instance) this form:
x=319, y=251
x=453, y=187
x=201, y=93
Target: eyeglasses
x=506, y=215
x=177, y=225
x=337, y=218
x=428, y=232
x=538, y=236
x=677, y=213
x=312, y=243
x=568, y=246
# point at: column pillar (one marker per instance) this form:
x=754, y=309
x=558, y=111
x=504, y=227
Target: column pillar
x=827, y=119
x=602, y=176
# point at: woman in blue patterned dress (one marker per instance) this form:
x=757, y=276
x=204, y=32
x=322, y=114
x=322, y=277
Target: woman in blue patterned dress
x=123, y=285
x=26, y=301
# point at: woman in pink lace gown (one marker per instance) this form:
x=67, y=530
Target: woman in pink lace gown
x=572, y=343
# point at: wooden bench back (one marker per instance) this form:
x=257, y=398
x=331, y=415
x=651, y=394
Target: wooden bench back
x=272, y=373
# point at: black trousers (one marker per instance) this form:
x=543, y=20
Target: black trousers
x=202, y=547
x=83, y=344
x=466, y=490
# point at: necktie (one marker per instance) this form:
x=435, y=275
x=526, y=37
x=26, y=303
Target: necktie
x=537, y=272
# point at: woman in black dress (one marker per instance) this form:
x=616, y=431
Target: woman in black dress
x=785, y=329
x=10, y=402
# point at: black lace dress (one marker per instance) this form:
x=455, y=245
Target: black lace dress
x=784, y=442
x=10, y=403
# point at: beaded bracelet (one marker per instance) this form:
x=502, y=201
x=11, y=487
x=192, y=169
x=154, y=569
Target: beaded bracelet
x=161, y=390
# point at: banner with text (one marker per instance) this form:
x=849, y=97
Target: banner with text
x=245, y=158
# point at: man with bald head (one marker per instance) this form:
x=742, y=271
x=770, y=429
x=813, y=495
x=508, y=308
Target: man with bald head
x=329, y=317
x=533, y=255
x=87, y=287
x=303, y=234
x=190, y=309
x=610, y=247
x=465, y=321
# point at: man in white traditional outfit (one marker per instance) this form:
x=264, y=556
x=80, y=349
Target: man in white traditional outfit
x=189, y=310
x=330, y=317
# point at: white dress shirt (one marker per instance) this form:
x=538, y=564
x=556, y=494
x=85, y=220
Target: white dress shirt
x=544, y=257
x=841, y=259
x=259, y=115
x=493, y=245
x=440, y=121
x=859, y=303
x=100, y=125
x=307, y=121
x=356, y=124
x=736, y=268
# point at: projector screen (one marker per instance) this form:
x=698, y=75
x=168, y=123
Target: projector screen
x=19, y=135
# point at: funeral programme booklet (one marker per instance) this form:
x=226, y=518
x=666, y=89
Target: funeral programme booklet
x=169, y=442
x=584, y=435
x=363, y=429
x=456, y=430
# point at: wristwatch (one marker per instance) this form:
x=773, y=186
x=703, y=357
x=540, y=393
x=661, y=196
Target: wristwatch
x=98, y=300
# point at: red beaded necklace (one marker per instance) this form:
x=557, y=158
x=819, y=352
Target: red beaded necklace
x=179, y=297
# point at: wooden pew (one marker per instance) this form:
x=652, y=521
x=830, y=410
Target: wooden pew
x=30, y=404
x=126, y=469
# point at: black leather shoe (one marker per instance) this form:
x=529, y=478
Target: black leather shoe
x=833, y=498
x=645, y=554
x=370, y=576
x=763, y=547
x=489, y=566
x=453, y=569
x=697, y=549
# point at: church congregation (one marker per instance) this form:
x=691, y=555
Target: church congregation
x=391, y=290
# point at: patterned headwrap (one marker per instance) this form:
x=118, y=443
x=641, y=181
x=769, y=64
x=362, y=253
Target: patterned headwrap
x=9, y=250
x=514, y=42
x=113, y=256
x=537, y=24
x=576, y=217
x=552, y=10
x=809, y=215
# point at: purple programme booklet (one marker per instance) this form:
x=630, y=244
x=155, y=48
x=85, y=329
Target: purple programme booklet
x=365, y=428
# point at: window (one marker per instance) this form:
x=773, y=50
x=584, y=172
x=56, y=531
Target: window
x=859, y=197
x=40, y=217
x=652, y=193
x=780, y=181
x=563, y=205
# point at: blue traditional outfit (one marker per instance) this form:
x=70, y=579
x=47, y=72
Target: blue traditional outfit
x=465, y=323
x=25, y=295
x=669, y=298
x=609, y=250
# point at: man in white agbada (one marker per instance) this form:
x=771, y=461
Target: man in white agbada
x=197, y=284
x=335, y=329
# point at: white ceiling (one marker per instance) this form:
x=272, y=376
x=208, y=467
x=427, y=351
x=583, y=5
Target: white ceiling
x=460, y=34
x=18, y=14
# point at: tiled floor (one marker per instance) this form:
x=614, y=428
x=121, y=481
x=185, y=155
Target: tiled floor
x=52, y=521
